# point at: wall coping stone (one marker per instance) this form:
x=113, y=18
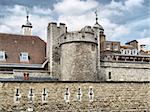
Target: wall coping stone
x=56, y=81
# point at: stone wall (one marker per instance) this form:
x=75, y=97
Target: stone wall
x=125, y=71
x=53, y=51
x=32, y=73
x=78, y=61
x=108, y=97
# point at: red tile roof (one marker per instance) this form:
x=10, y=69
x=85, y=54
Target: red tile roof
x=14, y=44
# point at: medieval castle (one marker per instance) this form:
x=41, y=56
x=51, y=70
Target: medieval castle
x=83, y=55
x=104, y=75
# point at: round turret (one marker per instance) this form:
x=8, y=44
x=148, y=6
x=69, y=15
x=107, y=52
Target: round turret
x=78, y=56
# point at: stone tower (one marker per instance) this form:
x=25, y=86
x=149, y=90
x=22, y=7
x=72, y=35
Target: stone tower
x=99, y=34
x=74, y=56
x=27, y=28
x=79, y=55
x=53, y=50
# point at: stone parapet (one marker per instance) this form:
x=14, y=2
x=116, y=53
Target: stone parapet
x=85, y=35
x=77, y=37
x=106, y=97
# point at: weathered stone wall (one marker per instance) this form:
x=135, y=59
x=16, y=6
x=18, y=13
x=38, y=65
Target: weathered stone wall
x=32, y=73
x=121, y=71
x=108, y=97
x=53, y=51
x=78, y=37
x=79, y=61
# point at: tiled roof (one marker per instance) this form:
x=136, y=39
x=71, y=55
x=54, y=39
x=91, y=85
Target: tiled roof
x=126, y=47
x=14, y=44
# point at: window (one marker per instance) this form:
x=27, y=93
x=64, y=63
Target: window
x=44, y=95
x=2, y=56
x=79, y=94
x=93, y=47
x=67, y=95
x=91, y=94
x=122, y=51
x=115, y=47
x=17, y=96
x=109, y=75
x=128, y=51
x=134, y=52
x=31, y=95
x=24, y=56
x=107, y=46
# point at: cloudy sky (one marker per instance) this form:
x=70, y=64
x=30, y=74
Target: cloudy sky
x=123, y=20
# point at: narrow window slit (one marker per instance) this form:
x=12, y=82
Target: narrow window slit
x=91, y=94
x=79, y=94
x=31, y=95
x=17, y=96
x=67, y=95
x=44, y=95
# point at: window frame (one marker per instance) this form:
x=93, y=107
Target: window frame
x=24, y=57
x=115, y=47
x=2, y=53
x=109, y=76
x=108, y=46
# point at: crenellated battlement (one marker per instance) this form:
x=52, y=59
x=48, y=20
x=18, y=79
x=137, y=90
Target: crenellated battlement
x=86, y=34
x=59, y=29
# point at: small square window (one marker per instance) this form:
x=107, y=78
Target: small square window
x=115, y=47
x=107, y=46
x=2, y=56
x=24, y=57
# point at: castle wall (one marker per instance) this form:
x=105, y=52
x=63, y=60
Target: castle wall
x=108, y=97
x=78, y=61
x=123, y=71
x=53, y=51
x=32, y=73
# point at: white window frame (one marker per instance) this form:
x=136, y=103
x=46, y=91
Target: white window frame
x=24, y=57
x=115, y=47
x=122, y=51
x=134, y=51
x=2, y=53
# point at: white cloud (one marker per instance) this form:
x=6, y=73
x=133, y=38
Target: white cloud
x=38, y=10
x=13, y=22
x=5, y=28
x=76, y=14
x=145, y=41
x=77, y=22
x=120, y=30
x=75, y=7
x=131, y=4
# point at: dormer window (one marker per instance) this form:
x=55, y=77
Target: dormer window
x=24, y=57
x=2, y=56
